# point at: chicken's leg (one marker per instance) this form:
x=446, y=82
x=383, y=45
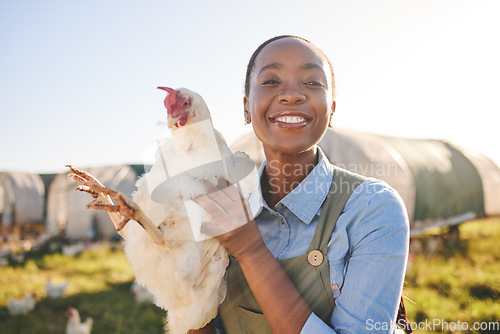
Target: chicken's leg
x=120, y=213
x=83, y=177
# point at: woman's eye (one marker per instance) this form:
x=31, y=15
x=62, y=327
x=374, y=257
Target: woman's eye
x=270, y=82
x=314, y=83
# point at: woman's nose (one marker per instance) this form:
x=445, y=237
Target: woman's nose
x=291, y=93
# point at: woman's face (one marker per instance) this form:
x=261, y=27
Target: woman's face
x=290, y=99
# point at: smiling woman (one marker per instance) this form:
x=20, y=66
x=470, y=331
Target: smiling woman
x=289, y=97
x=326, y=249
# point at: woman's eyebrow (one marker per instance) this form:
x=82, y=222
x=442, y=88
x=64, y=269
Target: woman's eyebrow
x=275, y=66
x=278, y=66
x=309, y=66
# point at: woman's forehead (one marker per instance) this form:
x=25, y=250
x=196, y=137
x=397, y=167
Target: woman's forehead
x=289, y=50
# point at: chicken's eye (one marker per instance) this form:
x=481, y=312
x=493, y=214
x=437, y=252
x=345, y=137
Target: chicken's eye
x=185, y=103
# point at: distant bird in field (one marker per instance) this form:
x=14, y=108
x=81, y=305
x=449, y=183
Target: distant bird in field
x=182, y=268
x=75, y=325
x=55, y=290
x=22, y=306
x=73, y=249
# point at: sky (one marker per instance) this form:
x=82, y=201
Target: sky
x=78, y=78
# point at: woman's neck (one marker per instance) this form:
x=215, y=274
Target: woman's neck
x=284, y=172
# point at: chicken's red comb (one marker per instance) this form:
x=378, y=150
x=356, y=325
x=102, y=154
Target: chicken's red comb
x=171, y=97
x=168, y=89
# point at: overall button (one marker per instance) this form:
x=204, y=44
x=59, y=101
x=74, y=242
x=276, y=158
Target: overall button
x=335, y=286
x=315, y=258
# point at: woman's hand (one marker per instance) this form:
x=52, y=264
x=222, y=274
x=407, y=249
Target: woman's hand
x=281, y=303
x=234, y=225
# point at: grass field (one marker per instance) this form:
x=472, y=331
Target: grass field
x=99, y=286
x=457, y=285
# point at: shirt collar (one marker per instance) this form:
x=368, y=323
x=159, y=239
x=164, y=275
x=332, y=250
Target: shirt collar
x=312, y=190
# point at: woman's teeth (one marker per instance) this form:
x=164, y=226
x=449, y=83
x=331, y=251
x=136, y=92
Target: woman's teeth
x=290, y=119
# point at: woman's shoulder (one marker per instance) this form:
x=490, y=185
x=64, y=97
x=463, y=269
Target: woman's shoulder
x=373, y=204
x=372, y=191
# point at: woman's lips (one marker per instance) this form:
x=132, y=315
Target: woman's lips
x=289, y=121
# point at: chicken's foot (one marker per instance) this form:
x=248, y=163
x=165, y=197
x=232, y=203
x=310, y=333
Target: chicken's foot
x=120, y=213
x=83, y=177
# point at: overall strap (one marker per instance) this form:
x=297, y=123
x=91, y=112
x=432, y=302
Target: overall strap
x=343, y=185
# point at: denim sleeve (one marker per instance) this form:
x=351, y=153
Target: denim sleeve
x=377, y=231
x=371, y=239
x=315, y=325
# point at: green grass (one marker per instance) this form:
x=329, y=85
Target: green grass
x=460, y=281
x=99, y=287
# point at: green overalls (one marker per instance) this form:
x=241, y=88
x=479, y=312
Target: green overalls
x=310, y=273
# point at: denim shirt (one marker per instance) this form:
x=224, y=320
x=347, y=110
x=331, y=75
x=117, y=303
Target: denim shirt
x=367, y=251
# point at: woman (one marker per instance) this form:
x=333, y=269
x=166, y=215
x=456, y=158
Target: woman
x=304, y=267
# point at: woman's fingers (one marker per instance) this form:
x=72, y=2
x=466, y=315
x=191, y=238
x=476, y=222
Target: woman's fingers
x=232, y=222
x=211, y=205
x=228, y=208
x=222, y=183
x=211, y=230
x=233, y=192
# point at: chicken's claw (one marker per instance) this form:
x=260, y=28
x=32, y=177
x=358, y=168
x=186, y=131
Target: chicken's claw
x=110, y=208
x=85, y=179
x=86, y=189
x=102, y=206
x=82, y=176
x=126, y=207
x=120, y=213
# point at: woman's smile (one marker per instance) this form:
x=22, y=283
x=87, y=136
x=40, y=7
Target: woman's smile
x=290, y=120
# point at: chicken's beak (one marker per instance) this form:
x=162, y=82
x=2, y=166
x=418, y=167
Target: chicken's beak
x=172, y=121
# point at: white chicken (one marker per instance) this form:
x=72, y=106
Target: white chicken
x=22, y=306
x=182, y=268
x=75, y=325
x=141, y=294
x=55, y=290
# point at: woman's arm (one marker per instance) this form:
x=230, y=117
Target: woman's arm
x=377, y=237
x=282, y=305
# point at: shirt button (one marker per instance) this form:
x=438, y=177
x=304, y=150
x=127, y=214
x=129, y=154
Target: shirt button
x=335, y=286
x=315, y=258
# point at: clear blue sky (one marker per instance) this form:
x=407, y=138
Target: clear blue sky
x=78, y=78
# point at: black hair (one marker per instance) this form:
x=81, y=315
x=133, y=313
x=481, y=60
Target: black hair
x=257, y=51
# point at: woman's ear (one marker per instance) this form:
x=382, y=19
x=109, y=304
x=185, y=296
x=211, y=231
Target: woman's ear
x=246, y=113
x=330, y=123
